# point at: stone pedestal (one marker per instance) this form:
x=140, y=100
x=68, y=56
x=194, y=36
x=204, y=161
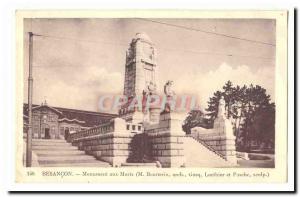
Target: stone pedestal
x=229, y=150
x=167, y=139
x=167, y=148
x=154, y=114
x=137, y=117
x=223, y=126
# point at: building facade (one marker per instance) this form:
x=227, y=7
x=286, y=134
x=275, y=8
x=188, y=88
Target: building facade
x=57, y=123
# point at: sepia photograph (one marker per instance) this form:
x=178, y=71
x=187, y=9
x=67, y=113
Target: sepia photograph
x=149, y=92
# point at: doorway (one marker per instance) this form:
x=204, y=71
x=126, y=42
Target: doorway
x=47, y=133
x=67, y=133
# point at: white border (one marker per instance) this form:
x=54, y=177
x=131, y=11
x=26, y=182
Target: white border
x=7, y=36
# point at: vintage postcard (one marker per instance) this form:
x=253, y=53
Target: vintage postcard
x=151, y=96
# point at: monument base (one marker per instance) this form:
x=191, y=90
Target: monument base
x=167, y=139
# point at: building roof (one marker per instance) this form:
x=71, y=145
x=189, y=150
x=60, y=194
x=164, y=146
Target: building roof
x=51, y=108
x=84, y=118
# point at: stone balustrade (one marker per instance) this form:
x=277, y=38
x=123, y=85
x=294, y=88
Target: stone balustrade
x=101, y=129
x=134, y=127
x=218, y=140
x=109, y=142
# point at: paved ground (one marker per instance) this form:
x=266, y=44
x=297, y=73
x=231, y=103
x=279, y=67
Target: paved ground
x=257, y=163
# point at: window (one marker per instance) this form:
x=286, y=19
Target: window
x=128, y=127
x=139, y=128
x=133, y=127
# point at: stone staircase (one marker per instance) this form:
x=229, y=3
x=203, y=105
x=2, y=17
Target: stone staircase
x=144, y=165
x=198, y=154
x=208, y=147
x=59, y=153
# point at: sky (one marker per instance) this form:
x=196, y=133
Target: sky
x=80, y=59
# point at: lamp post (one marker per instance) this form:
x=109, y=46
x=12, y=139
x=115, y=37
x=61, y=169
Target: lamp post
x=30, y=83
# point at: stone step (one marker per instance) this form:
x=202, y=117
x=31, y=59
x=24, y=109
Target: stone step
x=91, y=164
x=50, y=140
x=153, y=165
x=66, y=158
x=58, y=152
x=198, y=155
x=39, y=143
x=70, y=161
x=42, y=147
x=54, y=145
x=208, y=147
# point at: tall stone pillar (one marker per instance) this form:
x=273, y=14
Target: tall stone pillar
x=167, y=138
x=119, y=143
x=140, y=71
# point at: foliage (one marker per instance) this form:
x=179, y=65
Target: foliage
x=195, y=118
x=251, y=111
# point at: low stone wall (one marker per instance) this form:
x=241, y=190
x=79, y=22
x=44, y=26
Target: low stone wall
x=219, y=142
x=113, y=147
x=243, y=155
x=101, y=129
